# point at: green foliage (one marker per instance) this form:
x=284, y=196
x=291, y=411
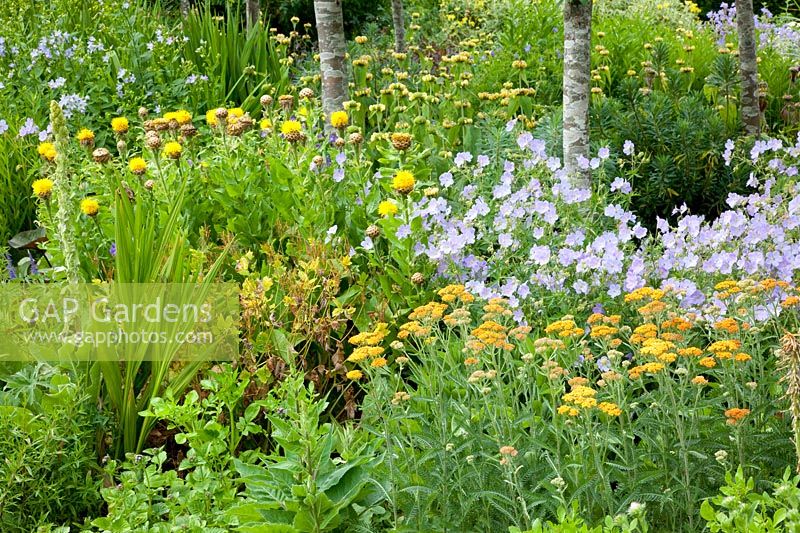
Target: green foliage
x=316, y=479
x=357, y=14
x=242, y=64
x=632, y=521
x=679, y=142
x=151, y=248
x=48, y=471
x=739, y=508
x=154, y=493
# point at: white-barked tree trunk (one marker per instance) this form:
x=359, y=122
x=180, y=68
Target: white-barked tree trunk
x=399, y=26
x=332, y=49
x=577, y=90
x=748, y=66
x=253, y=13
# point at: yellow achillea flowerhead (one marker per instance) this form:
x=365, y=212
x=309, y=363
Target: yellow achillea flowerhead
x=644, y=292
x=365, y=352
x=691, y=351
x=726, y=285
x=790, y=301
x=137, y=165
x=339, y=119
x=90, y=207
x=735, y=415
x=708, y=362
x=47, y=151
x=727, y=324
x=728, y=345
x=120, y=125
x=43, y=188
x=647, y=368
x=413, y=328
x=700, y=380
x=173, y=150
x=452, y=293
x=581, y=396
x=602, y=330
x=609, y=408
x=378, y=362
x=645, y=331
x=403, y=182
x=565, y=324
x=489, y=334
x=568, y=410
x=354, y=375
x=656, y=347
x=371, y=338
x=85, y=137
x=387, y=208
x=431, y=311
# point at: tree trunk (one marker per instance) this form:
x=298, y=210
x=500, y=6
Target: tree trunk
x=253, y=13
x=748, y=67
x=332, y=48
x=577, y=75
x=185, y=8
x=399, y=26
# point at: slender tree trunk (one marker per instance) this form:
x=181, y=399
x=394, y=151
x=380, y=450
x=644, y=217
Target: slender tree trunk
x=577, y=74
x=332, y=49
x=399, y=26
x=253, y=13
x=185, y=8
x=748, y=67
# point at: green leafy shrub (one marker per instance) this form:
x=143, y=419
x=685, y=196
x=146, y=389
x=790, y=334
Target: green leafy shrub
x=48, y=470
x=357, y=14
x=317, y=477
x=740, y=508
x=679, y=141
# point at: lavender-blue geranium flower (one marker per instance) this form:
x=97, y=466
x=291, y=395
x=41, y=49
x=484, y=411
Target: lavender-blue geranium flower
x=628, y=148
